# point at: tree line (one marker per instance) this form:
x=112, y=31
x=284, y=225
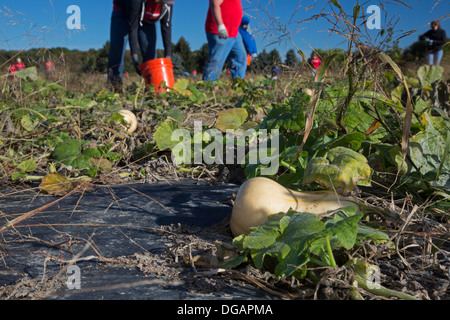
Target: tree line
x=95, y=61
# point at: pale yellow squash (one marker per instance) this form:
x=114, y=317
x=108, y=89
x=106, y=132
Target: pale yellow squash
x=258, y=198
x=130, y=119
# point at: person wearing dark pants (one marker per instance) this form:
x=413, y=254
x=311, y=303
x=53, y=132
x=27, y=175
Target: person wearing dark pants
x=133, y=22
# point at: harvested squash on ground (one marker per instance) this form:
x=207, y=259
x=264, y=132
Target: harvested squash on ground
x=258, y=198
x=130, y=120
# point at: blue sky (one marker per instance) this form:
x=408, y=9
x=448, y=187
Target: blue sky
x=42, y=23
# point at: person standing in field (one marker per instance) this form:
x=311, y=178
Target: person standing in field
x=436, y=39
x=49, y=68
x=315, y=63
x=12, y=69
x=249, y=40
x=19, y=64
x=133, y=22
x=224, y=40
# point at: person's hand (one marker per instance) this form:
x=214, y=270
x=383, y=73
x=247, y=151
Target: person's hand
x=223, y=33
x=136, y=64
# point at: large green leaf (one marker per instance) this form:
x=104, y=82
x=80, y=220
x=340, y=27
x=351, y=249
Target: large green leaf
x=163, y=135
x=345, y=230
x=429, y=151
x=181, y=86
x=70, y=152
x=27, y=73
x=231, y=119
x=429, y=75
x=293, y=238
x=282, y=237
x=343, y=169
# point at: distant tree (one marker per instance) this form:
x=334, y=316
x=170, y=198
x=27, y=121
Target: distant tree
x=183, y=49
x=263, y=61
x=266, y=61
x=177, y=62
x=275, y=58
x=292, y=60
x=200, y=56
x=101, y=63
x=415, y=51
x=89, y=61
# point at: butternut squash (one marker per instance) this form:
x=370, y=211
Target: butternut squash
x=258, y=198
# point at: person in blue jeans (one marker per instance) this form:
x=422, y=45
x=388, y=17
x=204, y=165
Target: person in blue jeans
x=126, y=27
x=224, y=41
x=436, y=38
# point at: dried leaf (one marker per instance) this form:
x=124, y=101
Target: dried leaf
x=56, y=184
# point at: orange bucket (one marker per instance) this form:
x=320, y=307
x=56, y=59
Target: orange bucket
x=157, y=71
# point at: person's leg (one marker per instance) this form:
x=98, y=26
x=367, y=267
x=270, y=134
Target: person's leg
x=438, y=57
x=117, y=47
x=430, y=58
x=147, y=41
x=219, y=50
x=166, y=32
x=238, y=57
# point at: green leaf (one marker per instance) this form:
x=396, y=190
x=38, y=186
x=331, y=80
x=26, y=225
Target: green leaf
x=175, y=114
x=283, y=236
x=163, y=135
x=342, y=169
x=369, y=234
x=231, y=119
x=68, y=153
x=293, y=239
x=27, y=166
x=27, y=73
x=28, y=124
x=429, y=75
x=181, y=86
x=17, y=175
x=429, y=151
x=336, y=3
x=345, y=230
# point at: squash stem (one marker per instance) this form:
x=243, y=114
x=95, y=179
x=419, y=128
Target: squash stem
x=287, y=165
x=382, y=291
x=330, y=252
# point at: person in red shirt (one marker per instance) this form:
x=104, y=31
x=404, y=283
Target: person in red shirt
x=12, y=69
x=224, y=41
x=19, y=65
x=49, y=67
x=315, y=63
